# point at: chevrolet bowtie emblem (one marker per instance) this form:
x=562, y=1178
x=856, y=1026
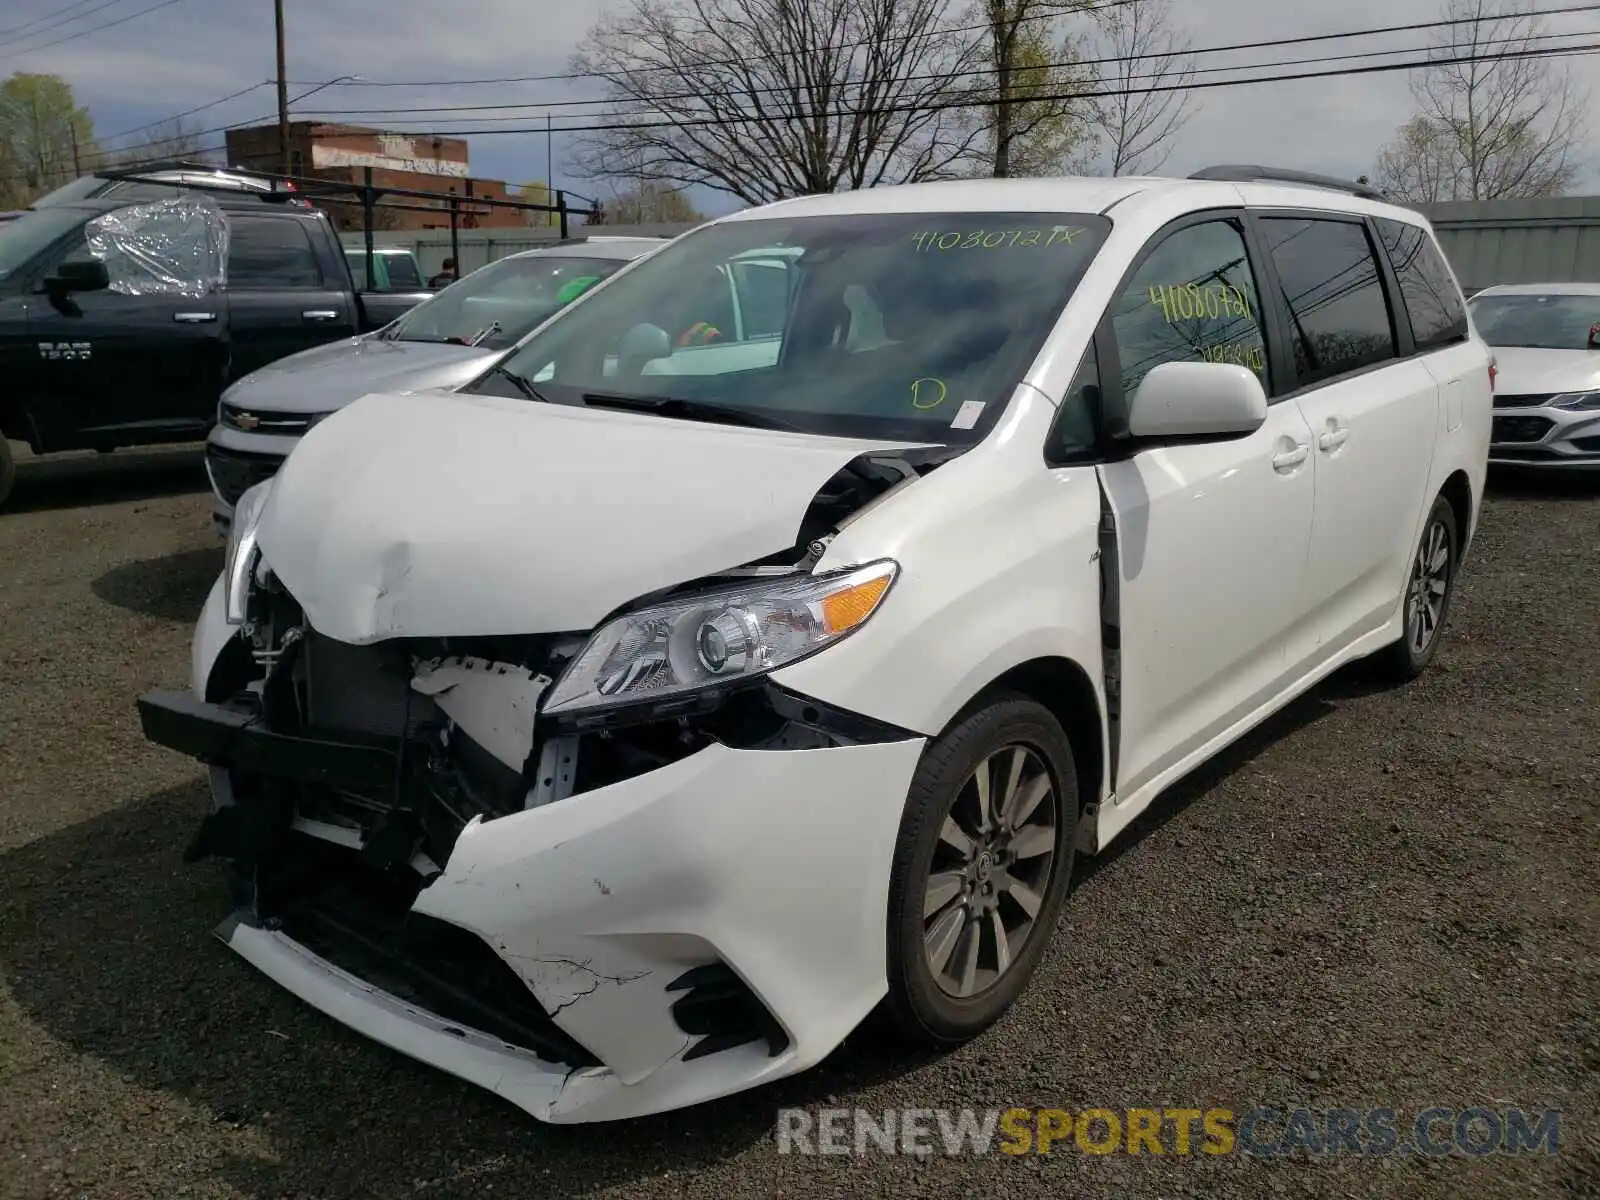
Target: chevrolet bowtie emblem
x=246, y=420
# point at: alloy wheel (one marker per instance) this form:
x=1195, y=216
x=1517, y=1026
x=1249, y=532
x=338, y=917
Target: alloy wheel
x=991, y=870
x=1430, y=581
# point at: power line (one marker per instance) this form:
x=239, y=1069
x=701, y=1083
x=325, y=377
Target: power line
x=1093, y=8
x=72, y=37
x=744, y=92
x=967, y=102
x=6, y=33
x=927, y=105
x=188, y=112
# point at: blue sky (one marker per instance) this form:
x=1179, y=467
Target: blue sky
x=189, y=53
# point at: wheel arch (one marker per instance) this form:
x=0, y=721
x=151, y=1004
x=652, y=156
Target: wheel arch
x=1064, y=688
x=1457, y=490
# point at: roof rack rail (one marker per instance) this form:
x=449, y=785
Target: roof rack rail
x=1238, y=173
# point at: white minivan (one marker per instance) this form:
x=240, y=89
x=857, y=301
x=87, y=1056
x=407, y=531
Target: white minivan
x=758, y=643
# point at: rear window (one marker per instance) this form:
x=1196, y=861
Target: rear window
x=1339, y=318
x=268, y=253
x=1437, y=313
x=1546, y=321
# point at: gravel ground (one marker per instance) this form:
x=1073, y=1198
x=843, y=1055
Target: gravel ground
x=1386, y=898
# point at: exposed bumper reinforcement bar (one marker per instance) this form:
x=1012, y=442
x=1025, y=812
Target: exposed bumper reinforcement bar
x=234, y=737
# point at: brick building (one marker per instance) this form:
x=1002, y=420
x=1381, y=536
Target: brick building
x=341, y=154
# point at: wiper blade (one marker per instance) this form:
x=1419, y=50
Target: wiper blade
x=692, y=410
x=518, y=382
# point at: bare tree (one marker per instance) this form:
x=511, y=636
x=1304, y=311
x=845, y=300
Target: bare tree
x=765, y=99
x=1030, y=60
x=1496, y=128
x=1142, y=45
x=173, y=139
x=1418, y=165
x=651, y=204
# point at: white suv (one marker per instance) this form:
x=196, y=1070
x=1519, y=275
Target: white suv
x=758, y=643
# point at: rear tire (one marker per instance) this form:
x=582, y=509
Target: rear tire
x=1425, y=604
x=8, y=472
x=981, y=870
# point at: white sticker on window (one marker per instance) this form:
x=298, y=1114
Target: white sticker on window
x=967, y=415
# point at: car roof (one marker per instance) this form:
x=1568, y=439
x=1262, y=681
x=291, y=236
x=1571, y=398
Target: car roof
x=601, y=247
x=1068, y=194
x=1540, y=289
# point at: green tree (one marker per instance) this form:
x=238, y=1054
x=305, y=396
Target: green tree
x=1030, y=55
x=46, y=138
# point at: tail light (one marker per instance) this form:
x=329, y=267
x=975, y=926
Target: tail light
x=1494, y=372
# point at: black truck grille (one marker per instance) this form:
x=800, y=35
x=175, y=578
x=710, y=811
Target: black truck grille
x=234, y=473
x=1521, y=429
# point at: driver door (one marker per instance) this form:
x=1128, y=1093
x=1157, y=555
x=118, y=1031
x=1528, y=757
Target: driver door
x=1212, y=538
x=136, y=362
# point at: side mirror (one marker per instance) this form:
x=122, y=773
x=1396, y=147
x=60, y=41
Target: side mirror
x=79, y=275
x=1197, y=401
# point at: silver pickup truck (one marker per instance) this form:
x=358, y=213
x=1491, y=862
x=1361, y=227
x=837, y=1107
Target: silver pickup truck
x=444, y=342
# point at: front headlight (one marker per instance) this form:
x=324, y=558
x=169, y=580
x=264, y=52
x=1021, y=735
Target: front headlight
x=1576, y=401
x=239, y=563
x=730, y=635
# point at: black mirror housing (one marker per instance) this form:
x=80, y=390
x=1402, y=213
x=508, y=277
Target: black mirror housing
x=80, y=275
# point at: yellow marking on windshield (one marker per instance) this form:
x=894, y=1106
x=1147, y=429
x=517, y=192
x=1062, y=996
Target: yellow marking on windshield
x=993, y=239
x=935, y=389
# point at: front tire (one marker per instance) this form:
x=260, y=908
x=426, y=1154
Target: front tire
x=981, y=870
x=1430, y=585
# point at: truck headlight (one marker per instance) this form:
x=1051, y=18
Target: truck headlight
x=239, y=563
x=722, y=636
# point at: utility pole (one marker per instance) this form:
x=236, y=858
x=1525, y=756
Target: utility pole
x=283, y=95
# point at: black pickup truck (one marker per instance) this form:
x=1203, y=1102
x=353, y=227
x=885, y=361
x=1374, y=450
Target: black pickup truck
x=118, y=329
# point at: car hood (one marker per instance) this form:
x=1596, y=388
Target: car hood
x=326, y=378
x=1522, y=371
x=428, y=515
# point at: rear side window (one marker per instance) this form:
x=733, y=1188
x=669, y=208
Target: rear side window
x=1338, y=315
x=266, y=253
x=1434, y=306
x=403, y=272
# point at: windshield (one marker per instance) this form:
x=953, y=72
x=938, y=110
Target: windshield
x=1542, y=322
x=22, y=239
x=906, y=326
x=81, y=188
x=499, y=304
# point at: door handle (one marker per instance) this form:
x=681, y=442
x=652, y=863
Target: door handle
x=1333, y=439
x=194, y=318
x=320, y=314
x=1290, y=459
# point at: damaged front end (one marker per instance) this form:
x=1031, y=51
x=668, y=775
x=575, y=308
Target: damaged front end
x=511, y=857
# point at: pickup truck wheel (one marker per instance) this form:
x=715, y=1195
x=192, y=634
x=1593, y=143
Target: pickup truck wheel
x=981, y=870
x=1430, y=583
x=8, y=472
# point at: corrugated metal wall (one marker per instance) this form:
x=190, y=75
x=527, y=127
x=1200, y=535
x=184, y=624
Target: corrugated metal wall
x=1520, y=241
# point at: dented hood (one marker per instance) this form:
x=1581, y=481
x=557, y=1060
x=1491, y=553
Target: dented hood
x=435, y=515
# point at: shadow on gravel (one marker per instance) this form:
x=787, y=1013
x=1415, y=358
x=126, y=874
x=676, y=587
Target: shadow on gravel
x=105, y=944
x=83, y=480
x=171, y=588
x=1522, y=483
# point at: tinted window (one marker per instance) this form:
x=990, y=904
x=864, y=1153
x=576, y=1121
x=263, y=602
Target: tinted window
x=268, y=253
x=1339, y=319
x=1074, y=430
x=1193, y=300
x=403, y=272
x=1438, y=315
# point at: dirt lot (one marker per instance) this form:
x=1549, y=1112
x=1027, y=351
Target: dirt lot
x=1384, y=899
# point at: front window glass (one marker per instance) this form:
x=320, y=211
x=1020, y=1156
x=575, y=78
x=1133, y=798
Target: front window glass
x=500, y=303
x=909, y=326
x=1540, y=322
x=22, y=239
